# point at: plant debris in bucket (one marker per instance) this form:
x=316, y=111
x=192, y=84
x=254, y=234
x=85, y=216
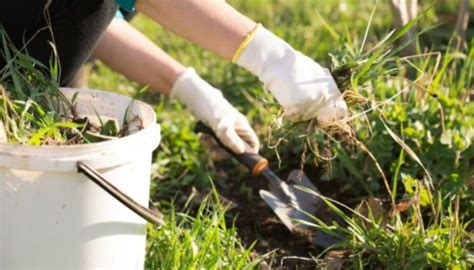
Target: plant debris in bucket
x=35, y=112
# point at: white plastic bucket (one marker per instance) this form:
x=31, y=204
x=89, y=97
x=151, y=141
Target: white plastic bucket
x=52, y=217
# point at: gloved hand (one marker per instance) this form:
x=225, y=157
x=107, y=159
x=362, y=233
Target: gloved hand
x=300, y=85
x=207, y=104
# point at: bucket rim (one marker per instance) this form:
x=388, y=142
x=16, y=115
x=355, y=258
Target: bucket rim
x=128, y=147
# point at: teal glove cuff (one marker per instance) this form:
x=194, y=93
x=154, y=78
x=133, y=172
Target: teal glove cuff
x=128, y=5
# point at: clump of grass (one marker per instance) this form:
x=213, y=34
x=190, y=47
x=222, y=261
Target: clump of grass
x=35, y=112
x=199, y=241
x=355, y=69
x=31, y=104
x=399, y=239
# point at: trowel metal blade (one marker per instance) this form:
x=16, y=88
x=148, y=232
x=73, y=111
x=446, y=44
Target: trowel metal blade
x=307, y=201
x=290, y=217
x=284, y=211
x=325, y=240
x=291, y=203
x=311, y=203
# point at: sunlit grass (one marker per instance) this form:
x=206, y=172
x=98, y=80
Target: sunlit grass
x=32, y=108
x=202, y=240
x=410, y=112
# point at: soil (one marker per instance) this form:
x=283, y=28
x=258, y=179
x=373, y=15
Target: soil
x=256, y=222
x=258, y=225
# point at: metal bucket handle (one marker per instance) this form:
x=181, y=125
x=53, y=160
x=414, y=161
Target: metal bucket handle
x=144, y=212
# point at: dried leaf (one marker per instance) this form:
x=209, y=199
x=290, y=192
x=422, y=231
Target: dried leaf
x=401, y=207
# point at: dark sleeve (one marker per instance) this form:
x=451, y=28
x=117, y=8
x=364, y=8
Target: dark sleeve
x=74, y=26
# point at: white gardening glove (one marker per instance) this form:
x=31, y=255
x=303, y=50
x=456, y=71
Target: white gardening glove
x=207, y=104
x=300, y=85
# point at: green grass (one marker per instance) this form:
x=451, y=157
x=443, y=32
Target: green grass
x=419, y=133
x=202, y=240
x=34, y=111
x=375, y=237
x=32, y=108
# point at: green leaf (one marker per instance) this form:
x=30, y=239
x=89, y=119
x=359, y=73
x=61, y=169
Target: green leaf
x=109, y=128
x=74, y=98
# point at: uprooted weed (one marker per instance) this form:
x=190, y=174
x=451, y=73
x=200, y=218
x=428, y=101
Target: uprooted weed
x=355, y=70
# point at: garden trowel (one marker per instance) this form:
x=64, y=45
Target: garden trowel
x=293, y=205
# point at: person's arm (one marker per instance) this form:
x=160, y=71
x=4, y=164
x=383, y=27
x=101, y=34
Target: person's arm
x=128, y=51
x=303, y=88
x=213, y=24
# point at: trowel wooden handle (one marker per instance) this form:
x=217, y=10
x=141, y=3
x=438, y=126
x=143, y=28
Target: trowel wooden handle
x=254, y=162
